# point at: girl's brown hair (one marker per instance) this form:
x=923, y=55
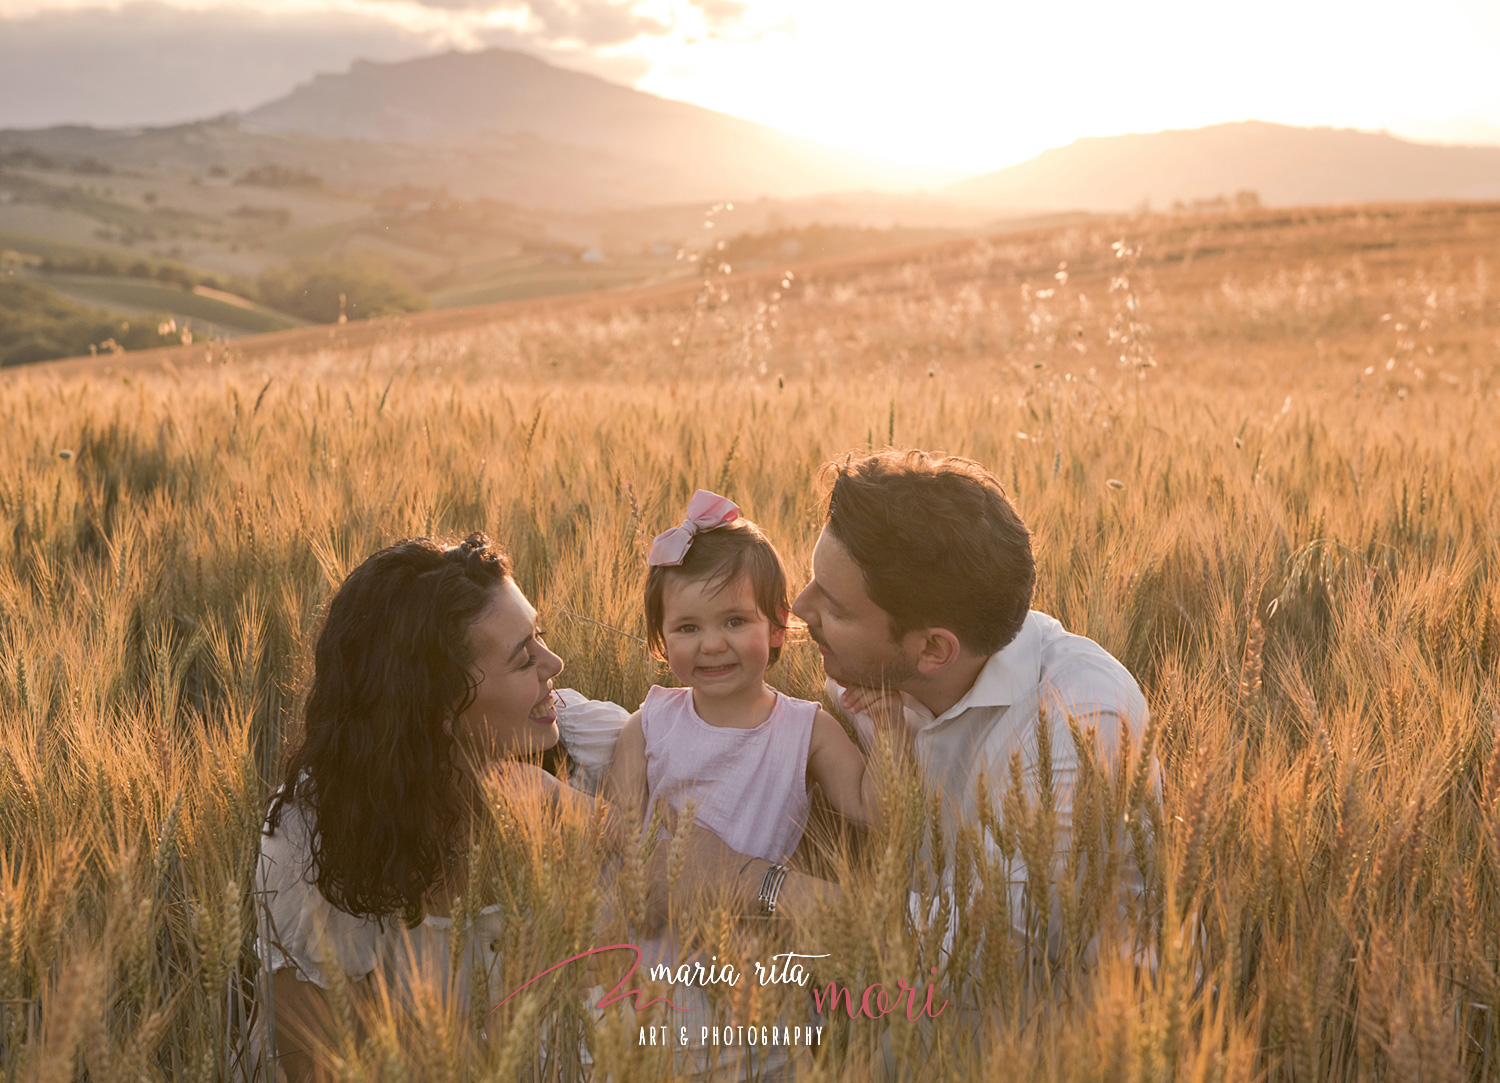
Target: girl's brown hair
x=721, y=556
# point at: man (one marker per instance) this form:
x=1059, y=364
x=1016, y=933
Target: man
x=921, y=588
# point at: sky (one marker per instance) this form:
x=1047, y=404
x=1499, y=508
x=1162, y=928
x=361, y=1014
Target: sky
x=966, y=85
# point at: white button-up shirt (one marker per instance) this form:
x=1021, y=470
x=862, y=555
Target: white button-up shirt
x=1044, y=668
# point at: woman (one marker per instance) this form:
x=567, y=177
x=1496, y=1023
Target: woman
x=429, y=673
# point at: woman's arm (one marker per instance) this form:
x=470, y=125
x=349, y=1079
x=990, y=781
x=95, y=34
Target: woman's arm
x=625, y=785
x=713, y=871
x=306, y=1028
x=588, y=729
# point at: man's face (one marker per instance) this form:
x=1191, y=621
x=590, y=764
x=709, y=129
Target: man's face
x=853, y=632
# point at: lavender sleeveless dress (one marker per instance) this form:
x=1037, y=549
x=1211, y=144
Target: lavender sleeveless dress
x=749, y=785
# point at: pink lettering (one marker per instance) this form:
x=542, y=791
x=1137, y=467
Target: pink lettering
x=616, y=994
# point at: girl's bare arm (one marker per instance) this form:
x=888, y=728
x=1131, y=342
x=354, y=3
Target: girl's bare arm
x=840, y=769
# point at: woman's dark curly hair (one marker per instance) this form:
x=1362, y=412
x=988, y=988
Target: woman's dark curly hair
x=376, y=769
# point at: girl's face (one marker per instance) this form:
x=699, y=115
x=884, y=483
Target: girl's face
x=718, y=643
x=513, y=712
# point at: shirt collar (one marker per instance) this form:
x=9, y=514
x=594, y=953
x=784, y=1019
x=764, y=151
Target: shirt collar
x=1009, y=675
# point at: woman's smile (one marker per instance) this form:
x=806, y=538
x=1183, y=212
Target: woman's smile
x=545, y=710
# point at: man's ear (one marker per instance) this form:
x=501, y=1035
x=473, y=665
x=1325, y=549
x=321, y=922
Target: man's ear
x=940, y=648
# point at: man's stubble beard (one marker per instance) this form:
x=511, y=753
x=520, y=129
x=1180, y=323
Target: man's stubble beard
x=892, y=673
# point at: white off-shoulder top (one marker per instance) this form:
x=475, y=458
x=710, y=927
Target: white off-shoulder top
x=299, y=928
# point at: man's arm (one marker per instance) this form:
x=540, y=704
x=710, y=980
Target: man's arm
x=1065, y=766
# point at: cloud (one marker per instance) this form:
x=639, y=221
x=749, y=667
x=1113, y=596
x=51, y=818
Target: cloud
x=721, y=14
x=735, y=21
x=594, y=22
x=591, y=23
x=148, y=63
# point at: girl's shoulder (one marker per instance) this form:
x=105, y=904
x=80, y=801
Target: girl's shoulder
x=661, y=694
x=801, y=709
x=664, y=708
x=659, y=699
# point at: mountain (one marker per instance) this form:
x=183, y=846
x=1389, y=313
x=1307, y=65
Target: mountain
x=512, y=107
x=1285, y=166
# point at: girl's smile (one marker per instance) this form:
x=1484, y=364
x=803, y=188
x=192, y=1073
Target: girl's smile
x=719, y=644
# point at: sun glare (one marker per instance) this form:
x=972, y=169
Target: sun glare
x=978, y=87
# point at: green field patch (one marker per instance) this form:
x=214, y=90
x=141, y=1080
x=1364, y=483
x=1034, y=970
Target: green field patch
x=236, y=317
x=545, y=280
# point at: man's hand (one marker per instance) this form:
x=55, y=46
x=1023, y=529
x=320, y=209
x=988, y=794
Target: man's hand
x=883, y=705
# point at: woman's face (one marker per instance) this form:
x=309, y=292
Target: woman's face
x=513, y=713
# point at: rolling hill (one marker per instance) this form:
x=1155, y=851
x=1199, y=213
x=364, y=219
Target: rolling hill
x=1285, y=166
x=509, y=105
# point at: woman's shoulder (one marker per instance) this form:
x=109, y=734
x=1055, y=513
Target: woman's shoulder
x=288, y=822
x=298, y=926
x=588, y=729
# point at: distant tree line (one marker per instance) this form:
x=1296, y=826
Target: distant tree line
x=1246, y=199
x=275, y=175
x=308, y=288
x=99, y=263
x=27, y=158
x=326, y=289
x=37, y=324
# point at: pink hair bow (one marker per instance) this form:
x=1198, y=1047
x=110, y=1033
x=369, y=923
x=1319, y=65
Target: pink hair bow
x=704, y=512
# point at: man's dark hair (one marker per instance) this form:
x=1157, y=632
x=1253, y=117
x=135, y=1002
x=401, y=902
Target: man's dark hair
x=938, y=542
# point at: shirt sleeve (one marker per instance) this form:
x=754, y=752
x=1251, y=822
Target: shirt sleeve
x=1105, y=722
x=589, y=729
x=296, y=926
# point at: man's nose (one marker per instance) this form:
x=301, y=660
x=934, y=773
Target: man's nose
x=801, y=606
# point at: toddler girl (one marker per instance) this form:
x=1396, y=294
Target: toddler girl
x=741, y=752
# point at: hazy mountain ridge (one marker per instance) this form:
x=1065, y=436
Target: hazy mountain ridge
x=496, y=176
x=459, y=98
x=1284, y=165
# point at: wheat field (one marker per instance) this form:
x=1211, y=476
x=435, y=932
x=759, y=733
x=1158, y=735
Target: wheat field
x=1260, y=461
